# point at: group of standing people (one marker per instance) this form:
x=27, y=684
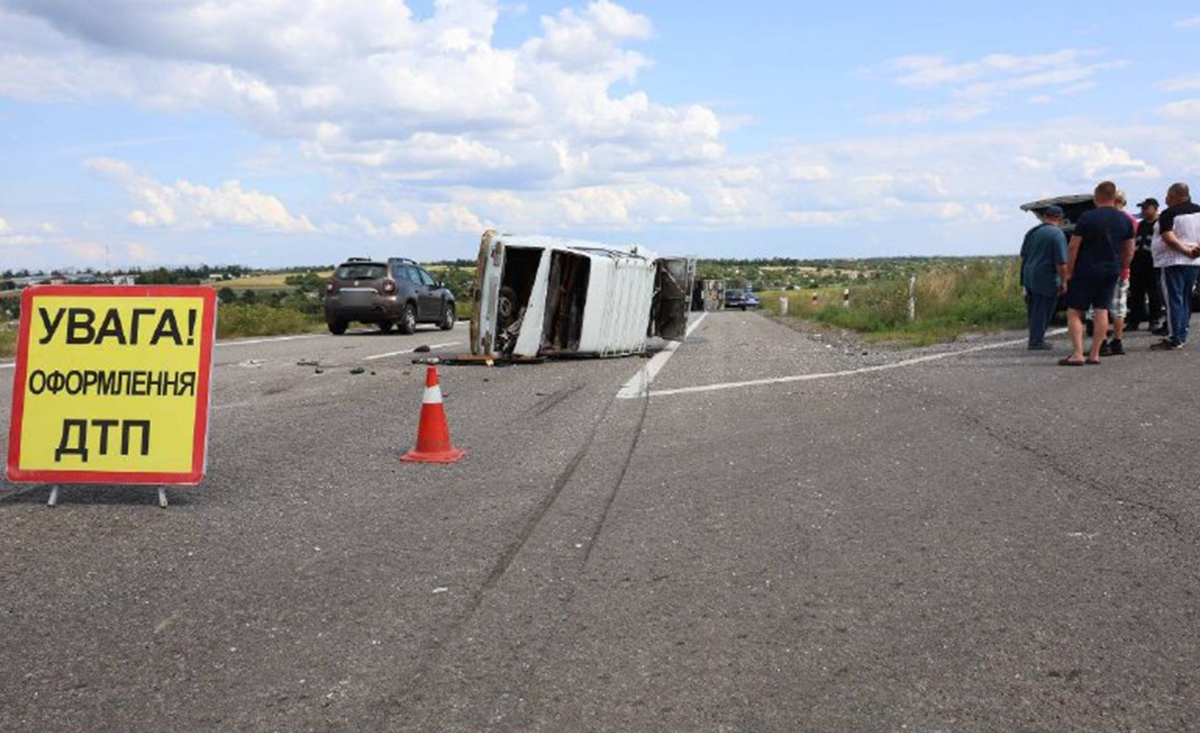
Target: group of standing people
x=1114, y=267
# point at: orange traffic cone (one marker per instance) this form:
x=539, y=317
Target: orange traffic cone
x=433, y=434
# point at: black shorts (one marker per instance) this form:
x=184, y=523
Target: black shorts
x=1090, y=291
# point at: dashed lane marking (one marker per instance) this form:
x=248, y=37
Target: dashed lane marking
x=410, y=351
x=639, y=384
x=248, y=342
x=846, y=373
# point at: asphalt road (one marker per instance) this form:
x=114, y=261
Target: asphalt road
x=861, y=540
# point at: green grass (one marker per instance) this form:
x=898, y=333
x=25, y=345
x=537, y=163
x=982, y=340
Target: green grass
x=8, y=341
x=239, y=319
x=951, y=301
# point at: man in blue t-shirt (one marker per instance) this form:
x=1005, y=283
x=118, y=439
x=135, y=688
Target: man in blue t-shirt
x=1043, y=265
x=1100, y=250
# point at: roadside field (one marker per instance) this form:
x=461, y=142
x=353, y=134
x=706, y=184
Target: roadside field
x=269, y=281
x=951, y=301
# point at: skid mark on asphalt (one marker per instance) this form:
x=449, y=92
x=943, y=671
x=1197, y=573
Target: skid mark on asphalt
x=639, y=384
x=552, y=400
x=831, y=375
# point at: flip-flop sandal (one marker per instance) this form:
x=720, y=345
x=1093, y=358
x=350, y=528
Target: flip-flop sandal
x=1066, y=361
x=1089, y=362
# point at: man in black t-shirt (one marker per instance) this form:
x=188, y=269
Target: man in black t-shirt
x=1100, y=250
x=1143, y=282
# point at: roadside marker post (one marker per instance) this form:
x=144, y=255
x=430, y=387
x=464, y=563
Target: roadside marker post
x=112, y=386
x=783, y=306
x=912, y=298
x=846, y=297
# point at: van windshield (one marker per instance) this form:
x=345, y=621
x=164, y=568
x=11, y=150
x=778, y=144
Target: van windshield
x=361, y=272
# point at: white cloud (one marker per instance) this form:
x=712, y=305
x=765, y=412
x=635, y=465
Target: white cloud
x=953, y=112
x=1180, y=83
x=404, y=225
x=187, y=205
x=1094, y=161
x=89, y=251
x=1184, y=110
x=453, y=218
x=432, y=128
x=139, y=252
x=5, y=227
x=978, y=87
x=368, y=85
x=1193, y=22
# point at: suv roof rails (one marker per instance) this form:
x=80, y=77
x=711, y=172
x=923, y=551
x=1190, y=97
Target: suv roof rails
x=359, y=259
x=409, y=260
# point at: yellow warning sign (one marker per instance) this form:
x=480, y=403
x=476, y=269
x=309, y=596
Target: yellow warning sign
x=112, y=385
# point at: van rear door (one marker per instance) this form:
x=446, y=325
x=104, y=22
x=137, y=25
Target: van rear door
x=672, y=296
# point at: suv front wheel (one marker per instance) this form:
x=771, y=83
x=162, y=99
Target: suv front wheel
x=408, y=322
x=447, y=321
x=338, y=327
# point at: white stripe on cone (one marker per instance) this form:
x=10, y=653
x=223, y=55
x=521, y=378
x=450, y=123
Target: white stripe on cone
x=433, y=395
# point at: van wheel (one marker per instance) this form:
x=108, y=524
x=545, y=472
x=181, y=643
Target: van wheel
x=447, y=321
x=506, y=308
x=408, y=323
x=385, y=326
x=338, y=327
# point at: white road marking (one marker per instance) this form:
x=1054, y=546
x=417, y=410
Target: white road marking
x=846, y=373
x=639, y=384
x=410, y=351
x=247, y=342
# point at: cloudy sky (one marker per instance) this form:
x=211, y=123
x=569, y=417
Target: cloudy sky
x=273, y=132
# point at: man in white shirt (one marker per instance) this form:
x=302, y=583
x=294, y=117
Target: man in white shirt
x=1176, y=247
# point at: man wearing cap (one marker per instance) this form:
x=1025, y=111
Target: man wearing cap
x=1043, y=265
x=1176, y=247
x=1101, y=248
x=1143, y=280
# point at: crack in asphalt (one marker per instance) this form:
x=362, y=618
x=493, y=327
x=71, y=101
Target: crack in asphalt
x=1159, y=516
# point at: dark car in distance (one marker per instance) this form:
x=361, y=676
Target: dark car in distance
x=740, y=299
x=396, y=292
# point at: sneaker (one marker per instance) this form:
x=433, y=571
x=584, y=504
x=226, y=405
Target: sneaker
x=1160, y=331
x=1105, y=348
x=1116, y=348
x=1166, y=345
x=1041, y=347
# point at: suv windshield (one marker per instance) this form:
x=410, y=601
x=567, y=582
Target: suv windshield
x=360, y=272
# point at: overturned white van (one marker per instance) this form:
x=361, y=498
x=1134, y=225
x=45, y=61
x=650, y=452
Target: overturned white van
x=553, y=297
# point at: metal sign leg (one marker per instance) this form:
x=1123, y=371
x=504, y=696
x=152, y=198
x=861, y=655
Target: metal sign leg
x=162, y=497
x=53, y=500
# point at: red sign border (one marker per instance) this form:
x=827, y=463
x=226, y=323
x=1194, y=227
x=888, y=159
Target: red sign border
x=200, y=441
